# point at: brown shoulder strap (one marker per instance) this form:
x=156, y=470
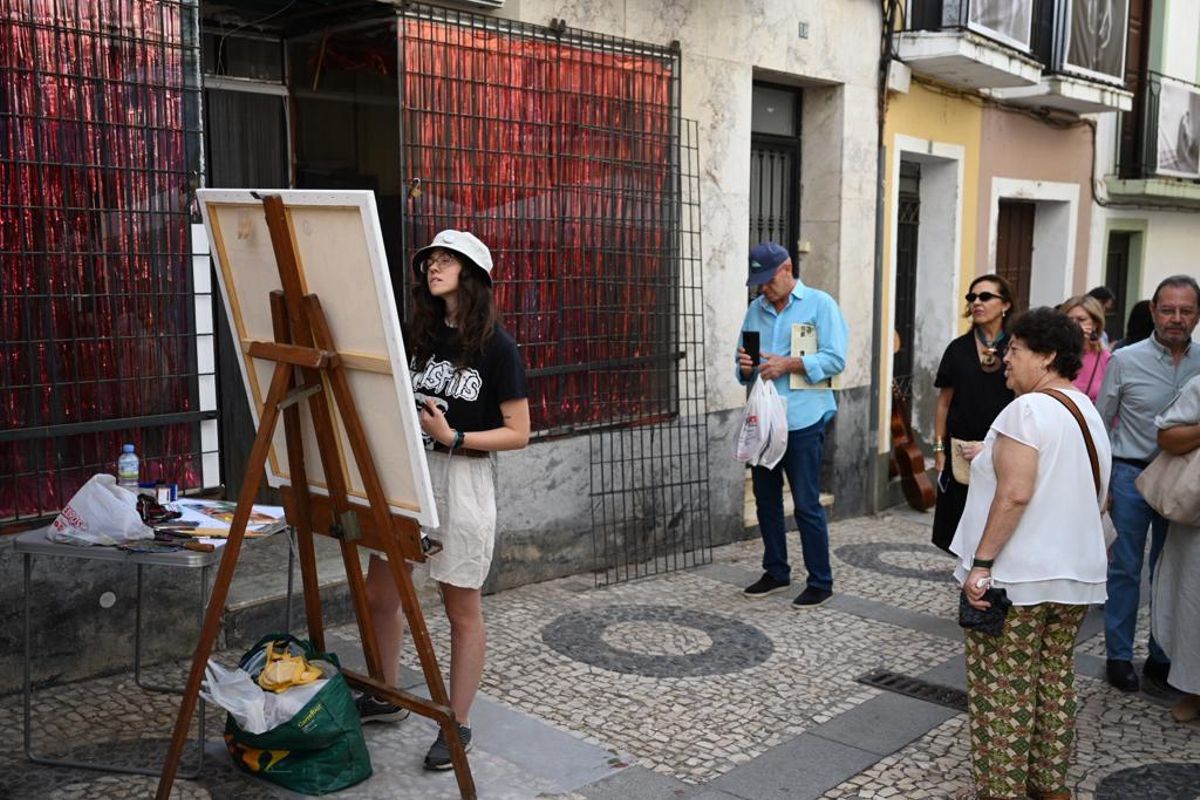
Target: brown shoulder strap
x=1087, y=435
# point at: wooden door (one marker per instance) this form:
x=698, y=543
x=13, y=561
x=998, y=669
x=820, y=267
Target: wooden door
x=1014, y=248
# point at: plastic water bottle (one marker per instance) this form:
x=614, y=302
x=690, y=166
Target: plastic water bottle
x=127, y=468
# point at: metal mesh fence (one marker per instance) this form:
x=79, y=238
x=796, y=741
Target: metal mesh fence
x=564, y=151
x=555, y=148
x=99, y=151
x=649, y=481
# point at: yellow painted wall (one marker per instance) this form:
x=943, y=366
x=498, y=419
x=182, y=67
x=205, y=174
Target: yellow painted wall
x=928, y=114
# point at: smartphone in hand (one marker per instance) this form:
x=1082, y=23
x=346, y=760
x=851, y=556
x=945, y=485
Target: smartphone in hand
x=750, y=344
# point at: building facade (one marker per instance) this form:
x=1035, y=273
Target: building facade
x=1147, y=222
x=785, y=97
x=620, y=157
x=990, y=145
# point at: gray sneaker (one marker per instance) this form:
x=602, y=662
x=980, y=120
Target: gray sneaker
x=438, y=757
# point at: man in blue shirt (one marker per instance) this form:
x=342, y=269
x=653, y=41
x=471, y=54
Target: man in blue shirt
x=1142, y=380
x=783, y=305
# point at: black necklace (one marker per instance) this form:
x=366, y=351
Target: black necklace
x=990, y=360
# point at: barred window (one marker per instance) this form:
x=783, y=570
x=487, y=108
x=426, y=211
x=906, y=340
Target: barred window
x=99, y=148
x=560, y=151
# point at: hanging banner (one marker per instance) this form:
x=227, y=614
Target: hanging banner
x=1009, y=21
x=1095, y=38
x=1178, y=140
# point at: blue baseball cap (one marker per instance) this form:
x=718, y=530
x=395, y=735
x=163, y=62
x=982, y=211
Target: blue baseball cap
x=765, y=258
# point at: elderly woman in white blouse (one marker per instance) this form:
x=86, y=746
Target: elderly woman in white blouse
x=1032, y=527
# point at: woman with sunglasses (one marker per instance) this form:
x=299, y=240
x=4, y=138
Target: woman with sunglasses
x=470, y=387
x=972, y=392
x=1088, y=314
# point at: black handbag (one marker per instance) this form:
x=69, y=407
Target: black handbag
x=989, y=621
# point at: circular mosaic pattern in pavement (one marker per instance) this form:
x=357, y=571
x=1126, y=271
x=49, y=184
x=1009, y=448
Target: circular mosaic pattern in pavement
x=656, y=638
x=899, y=559
x=658, y=641
x=1152, y=782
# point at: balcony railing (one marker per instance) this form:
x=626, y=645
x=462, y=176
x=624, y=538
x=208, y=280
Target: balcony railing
x=1084, y=40
x=1161, y=135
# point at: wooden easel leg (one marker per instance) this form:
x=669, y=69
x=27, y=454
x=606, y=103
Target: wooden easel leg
x=255, y=467
x=298, y=512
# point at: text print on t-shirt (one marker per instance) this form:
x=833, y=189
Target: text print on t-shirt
x=443, y=378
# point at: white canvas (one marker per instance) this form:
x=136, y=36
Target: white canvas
x=339, y=250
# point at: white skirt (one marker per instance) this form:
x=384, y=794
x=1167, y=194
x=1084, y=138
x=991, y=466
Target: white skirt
x=465, y=492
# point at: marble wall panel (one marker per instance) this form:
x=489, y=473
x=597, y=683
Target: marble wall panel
x=693, y=23
x=860, y=140
x=557, y=469
x=820, y=268
x=717, y=94
x=821, y=159
x=597, y=16
x=857, y=272
x=725, y=263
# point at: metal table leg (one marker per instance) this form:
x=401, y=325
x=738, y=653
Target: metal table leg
x=137, y=658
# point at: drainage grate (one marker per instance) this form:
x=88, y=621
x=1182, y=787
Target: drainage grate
x=915, y=687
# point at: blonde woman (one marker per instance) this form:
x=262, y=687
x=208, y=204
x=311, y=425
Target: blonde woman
x=1086, y=312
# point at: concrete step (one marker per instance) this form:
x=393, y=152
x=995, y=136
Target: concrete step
x=750, y=517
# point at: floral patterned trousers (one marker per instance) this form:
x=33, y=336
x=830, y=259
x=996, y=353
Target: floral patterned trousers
x=1021, y=700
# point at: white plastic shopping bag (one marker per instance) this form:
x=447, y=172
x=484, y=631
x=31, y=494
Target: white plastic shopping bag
x=751, y=438
x=762, y=438
x=254, y=710
x=100, y=513
x=775, y=423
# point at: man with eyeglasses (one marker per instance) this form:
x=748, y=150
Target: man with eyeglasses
x=783, y=305
x=1141, y=381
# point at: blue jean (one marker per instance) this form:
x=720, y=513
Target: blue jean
x=802, y=465
x=1131, y=517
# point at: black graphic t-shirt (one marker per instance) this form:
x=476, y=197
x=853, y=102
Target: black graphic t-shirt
x=470, y=396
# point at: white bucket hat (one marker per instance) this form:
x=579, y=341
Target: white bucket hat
x=461, y=242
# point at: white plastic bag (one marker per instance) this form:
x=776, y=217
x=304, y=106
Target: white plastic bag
x=762, y=437
x=236, y=692
x=752, y=433
x=255, y=710
x=776, y=425
x=100, y=513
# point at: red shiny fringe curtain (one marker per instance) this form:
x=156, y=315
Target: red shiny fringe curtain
x=96, y=318
x=558, y=157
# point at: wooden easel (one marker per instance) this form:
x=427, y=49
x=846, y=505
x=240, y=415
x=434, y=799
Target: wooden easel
x=303, y=343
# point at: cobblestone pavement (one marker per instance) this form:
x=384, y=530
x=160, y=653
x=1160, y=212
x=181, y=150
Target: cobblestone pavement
x=673, y=686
